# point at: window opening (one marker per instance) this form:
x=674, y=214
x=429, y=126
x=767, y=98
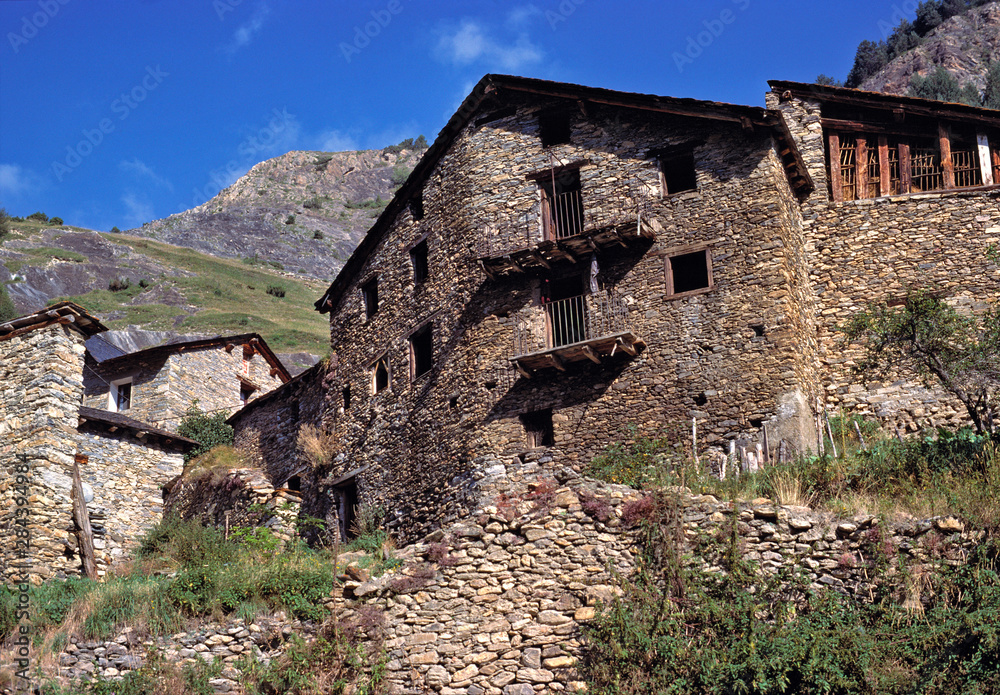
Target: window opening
x=246, y=392
x=347, y=397
x=293, y=411
x=553, y=128
x=562, y=205
x=294, y=483
x=380, y=374
x=566, y=312
x=538, y=428
x=418, y=260
x=417, y=206
x=677, y=172
x=688, y=272
x=121, y=395
x=369, y=292
x=421, y=351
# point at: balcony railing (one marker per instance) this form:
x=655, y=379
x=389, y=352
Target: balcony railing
x=568, y=330
x=558, y=225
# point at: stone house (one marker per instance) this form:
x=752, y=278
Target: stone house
x=566, y=263
x=158, y=385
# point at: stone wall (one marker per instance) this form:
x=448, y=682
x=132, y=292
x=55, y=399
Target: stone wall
x=166, y=383
x=874, y=250
x=266, y=431
x=41, y=373
x=494, y=604
x=127, y=476
x=734, y=357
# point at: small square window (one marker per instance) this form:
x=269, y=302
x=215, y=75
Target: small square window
x=347, y=397
x=677, y=172
x=418, y=259
x=689, y=272
x=121, y=395
x=553, y=128
x=538, y=428
x=421, y=351
x=380, y=374
x=369, y=292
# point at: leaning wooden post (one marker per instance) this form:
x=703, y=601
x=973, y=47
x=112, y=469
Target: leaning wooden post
x=860, y=437
x=819, y=428
x=829, y=431
x=694, y=441
x=82, y=518
x=767, y=445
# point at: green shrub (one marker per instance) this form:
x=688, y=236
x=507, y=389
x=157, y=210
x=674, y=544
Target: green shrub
x=39, y=217
x=318, y=234
x=313, y=204
x=399, y=175
x=57, y=221
x=208, y=430
x=7, y=309
x=290, y=219
x=115, y=230
x=276, y=291
x=119, y=284
x=5, y=220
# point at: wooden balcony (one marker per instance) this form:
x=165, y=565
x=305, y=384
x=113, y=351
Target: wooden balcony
x=564, y=228
x=577, y=329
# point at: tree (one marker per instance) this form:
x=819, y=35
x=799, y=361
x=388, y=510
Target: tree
x=941, y=85
x=420, y=143
x=57, y=221
x=7, y=309
x=208, y=430
x=928, y=16
x=991, y=95
x=39, y=217
x=4, y=224
x=827, y=81
x=927, y=335
x=869, y=59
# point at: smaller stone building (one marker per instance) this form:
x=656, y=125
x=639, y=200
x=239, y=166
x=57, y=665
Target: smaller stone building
x=158, y=385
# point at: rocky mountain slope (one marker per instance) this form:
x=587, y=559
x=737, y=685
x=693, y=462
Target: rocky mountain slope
x=963, y=45
x=303, y=212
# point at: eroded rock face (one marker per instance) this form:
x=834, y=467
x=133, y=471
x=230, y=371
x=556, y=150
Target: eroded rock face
x=962, y=45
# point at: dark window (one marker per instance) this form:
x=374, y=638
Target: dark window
x=418, y=259
x=689, y=272
x=562, y=204
x=123, y=396
x=347, y=397
x=417, y=206
x=677, y=172
x=553, y=128
x=380, y=374
x=538, y=428
x=421, y=351
x=294, y=483
x=293, y=411
x=246, y=391
x=369, y=291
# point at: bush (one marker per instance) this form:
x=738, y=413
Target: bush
x=276, y=291
x=399, y=175
x=119, y=284
x=313, y=204
x=115, y=230
x=208, y=430
x=7, y=309
x=57, y=221
x=290, y=219
x=4, y=224
x=39, y=217
x=318, y=235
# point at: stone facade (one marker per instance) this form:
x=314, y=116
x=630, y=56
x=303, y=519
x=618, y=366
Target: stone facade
x=221, y=374
x=41, y=369
x=127, y=467
x=874, y=249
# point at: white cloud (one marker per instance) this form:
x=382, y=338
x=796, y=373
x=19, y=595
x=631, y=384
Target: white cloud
x=470, y=43
x=17, y=181
x=141, y=169
x=336, y=141
x=521, y=17
x=246, y=32
x=137, y=211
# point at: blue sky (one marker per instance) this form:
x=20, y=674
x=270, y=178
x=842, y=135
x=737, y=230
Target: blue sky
x=117, y=112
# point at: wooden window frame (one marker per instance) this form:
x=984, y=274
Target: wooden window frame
x=373, y=370
x=420, y=260
x=663, y=161
x=114, y=394
x=369, y=297
x=669, y=272
x=418, y=334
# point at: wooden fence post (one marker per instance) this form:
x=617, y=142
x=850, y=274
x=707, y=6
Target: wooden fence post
x=82, y=518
